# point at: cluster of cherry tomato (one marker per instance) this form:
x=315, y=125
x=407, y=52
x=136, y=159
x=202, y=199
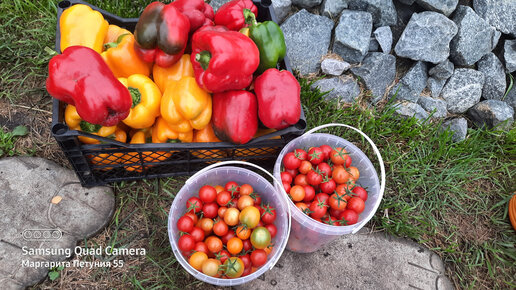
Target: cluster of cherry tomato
x=322, y=184
x=227, y=231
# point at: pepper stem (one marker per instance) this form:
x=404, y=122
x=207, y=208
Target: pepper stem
x=89, y=127
x=249, y=16
x=203, y=58
x=135, y=95
x=116, y=43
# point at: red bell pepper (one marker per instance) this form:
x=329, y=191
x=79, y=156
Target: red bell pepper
x=223, y=61
x=234, y=117
x=278, y=94
x=80, y=77
x=161, y=34
x=198, y=12
x=232, y=16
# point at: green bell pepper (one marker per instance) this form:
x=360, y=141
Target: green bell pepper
x=269, y=39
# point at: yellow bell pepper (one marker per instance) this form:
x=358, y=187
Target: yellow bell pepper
x=142, y=137
x=146, y=101
x=162, y=132
x=122, y=58
x=75, y=122
x=164, y=75
x=113, y=33
x=81, y=25
x=207, y=135
x=185, y=102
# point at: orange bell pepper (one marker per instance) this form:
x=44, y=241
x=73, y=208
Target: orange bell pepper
x=122, y=59
x=162, y=132
x=207, y=135
x=164, y=75
x=113, y=158
x=142, y=137
x=113, y=33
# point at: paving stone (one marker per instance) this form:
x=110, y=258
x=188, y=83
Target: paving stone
x=345, y=89
x=412, y=84
x=475, y=37
x=306, y=3
x=445, y=7
x=28, y=218
x=463, y=90
x=383, y=11
x=281, y=8
x=334, y=67
x=510, y=54
x=407, y=2
x=332, y=8
x=443, y=70
x=427, y=37
x=378, y=71
x=498, y=13
x=384, y=37
x=352, y=35
x=379, y=262
x=458, y=127
x=409, y=110
x=431, y=104
x=492, y=113
x=493, y=70
x=306, y=49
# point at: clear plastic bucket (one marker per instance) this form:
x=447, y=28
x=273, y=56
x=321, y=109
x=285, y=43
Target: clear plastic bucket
x=309, y=235
x=213, y=175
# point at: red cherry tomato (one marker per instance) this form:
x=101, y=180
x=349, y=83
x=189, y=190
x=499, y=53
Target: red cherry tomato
x=324, y=169
x=194, y=205
x=305, y=167
x=223, y=256
x=286, y=177
x=301, y=154
x=230, y=234
x=335, y=213
x=287, y=187
x=360, y=192
x=201, y=247
x=185, y=224
x=309, y=193
x=290, y=161
x=348, y=217
x=223, y=198
x=186, y=243
x=337, y=202
x=268, y=214
x=198, y=234
x=323, y=197
x=328, y=186
x=246, y=259
x=318, y=209
x=210, y=210
x=315, y=155
x=220, y=228
x=272, y=229
x=356, y=204
x=314, y=178
x=258, y=258
x=207, y=193
x=233, y=188
x=247, y=245
x=292, y=172
x=300, y=180
x=326, y=149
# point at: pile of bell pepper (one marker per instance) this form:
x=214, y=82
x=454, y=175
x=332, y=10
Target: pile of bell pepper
x=185, y=74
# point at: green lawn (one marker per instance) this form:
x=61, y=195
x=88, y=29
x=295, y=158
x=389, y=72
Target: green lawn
x=450, y=197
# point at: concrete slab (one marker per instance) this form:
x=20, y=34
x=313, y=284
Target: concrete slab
x=361, y=261
x=44, y=207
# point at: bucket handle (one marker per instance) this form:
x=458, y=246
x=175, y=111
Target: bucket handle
x=380, y=160
x=232, y=162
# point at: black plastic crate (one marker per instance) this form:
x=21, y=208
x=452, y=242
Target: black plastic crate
x=113, y=161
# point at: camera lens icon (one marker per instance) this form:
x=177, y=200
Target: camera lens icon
x=42, y=234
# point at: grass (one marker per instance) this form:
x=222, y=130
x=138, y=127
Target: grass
x=451, y=197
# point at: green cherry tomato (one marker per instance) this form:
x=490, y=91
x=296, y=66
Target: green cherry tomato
x=260, y=238
x=233, y=267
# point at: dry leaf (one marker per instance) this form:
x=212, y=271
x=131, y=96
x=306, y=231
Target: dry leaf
x=57, y=199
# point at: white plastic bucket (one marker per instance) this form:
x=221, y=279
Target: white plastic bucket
x=214, y=175
x=309, y=235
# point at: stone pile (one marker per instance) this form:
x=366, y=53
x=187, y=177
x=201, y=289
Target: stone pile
x=435, y=58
